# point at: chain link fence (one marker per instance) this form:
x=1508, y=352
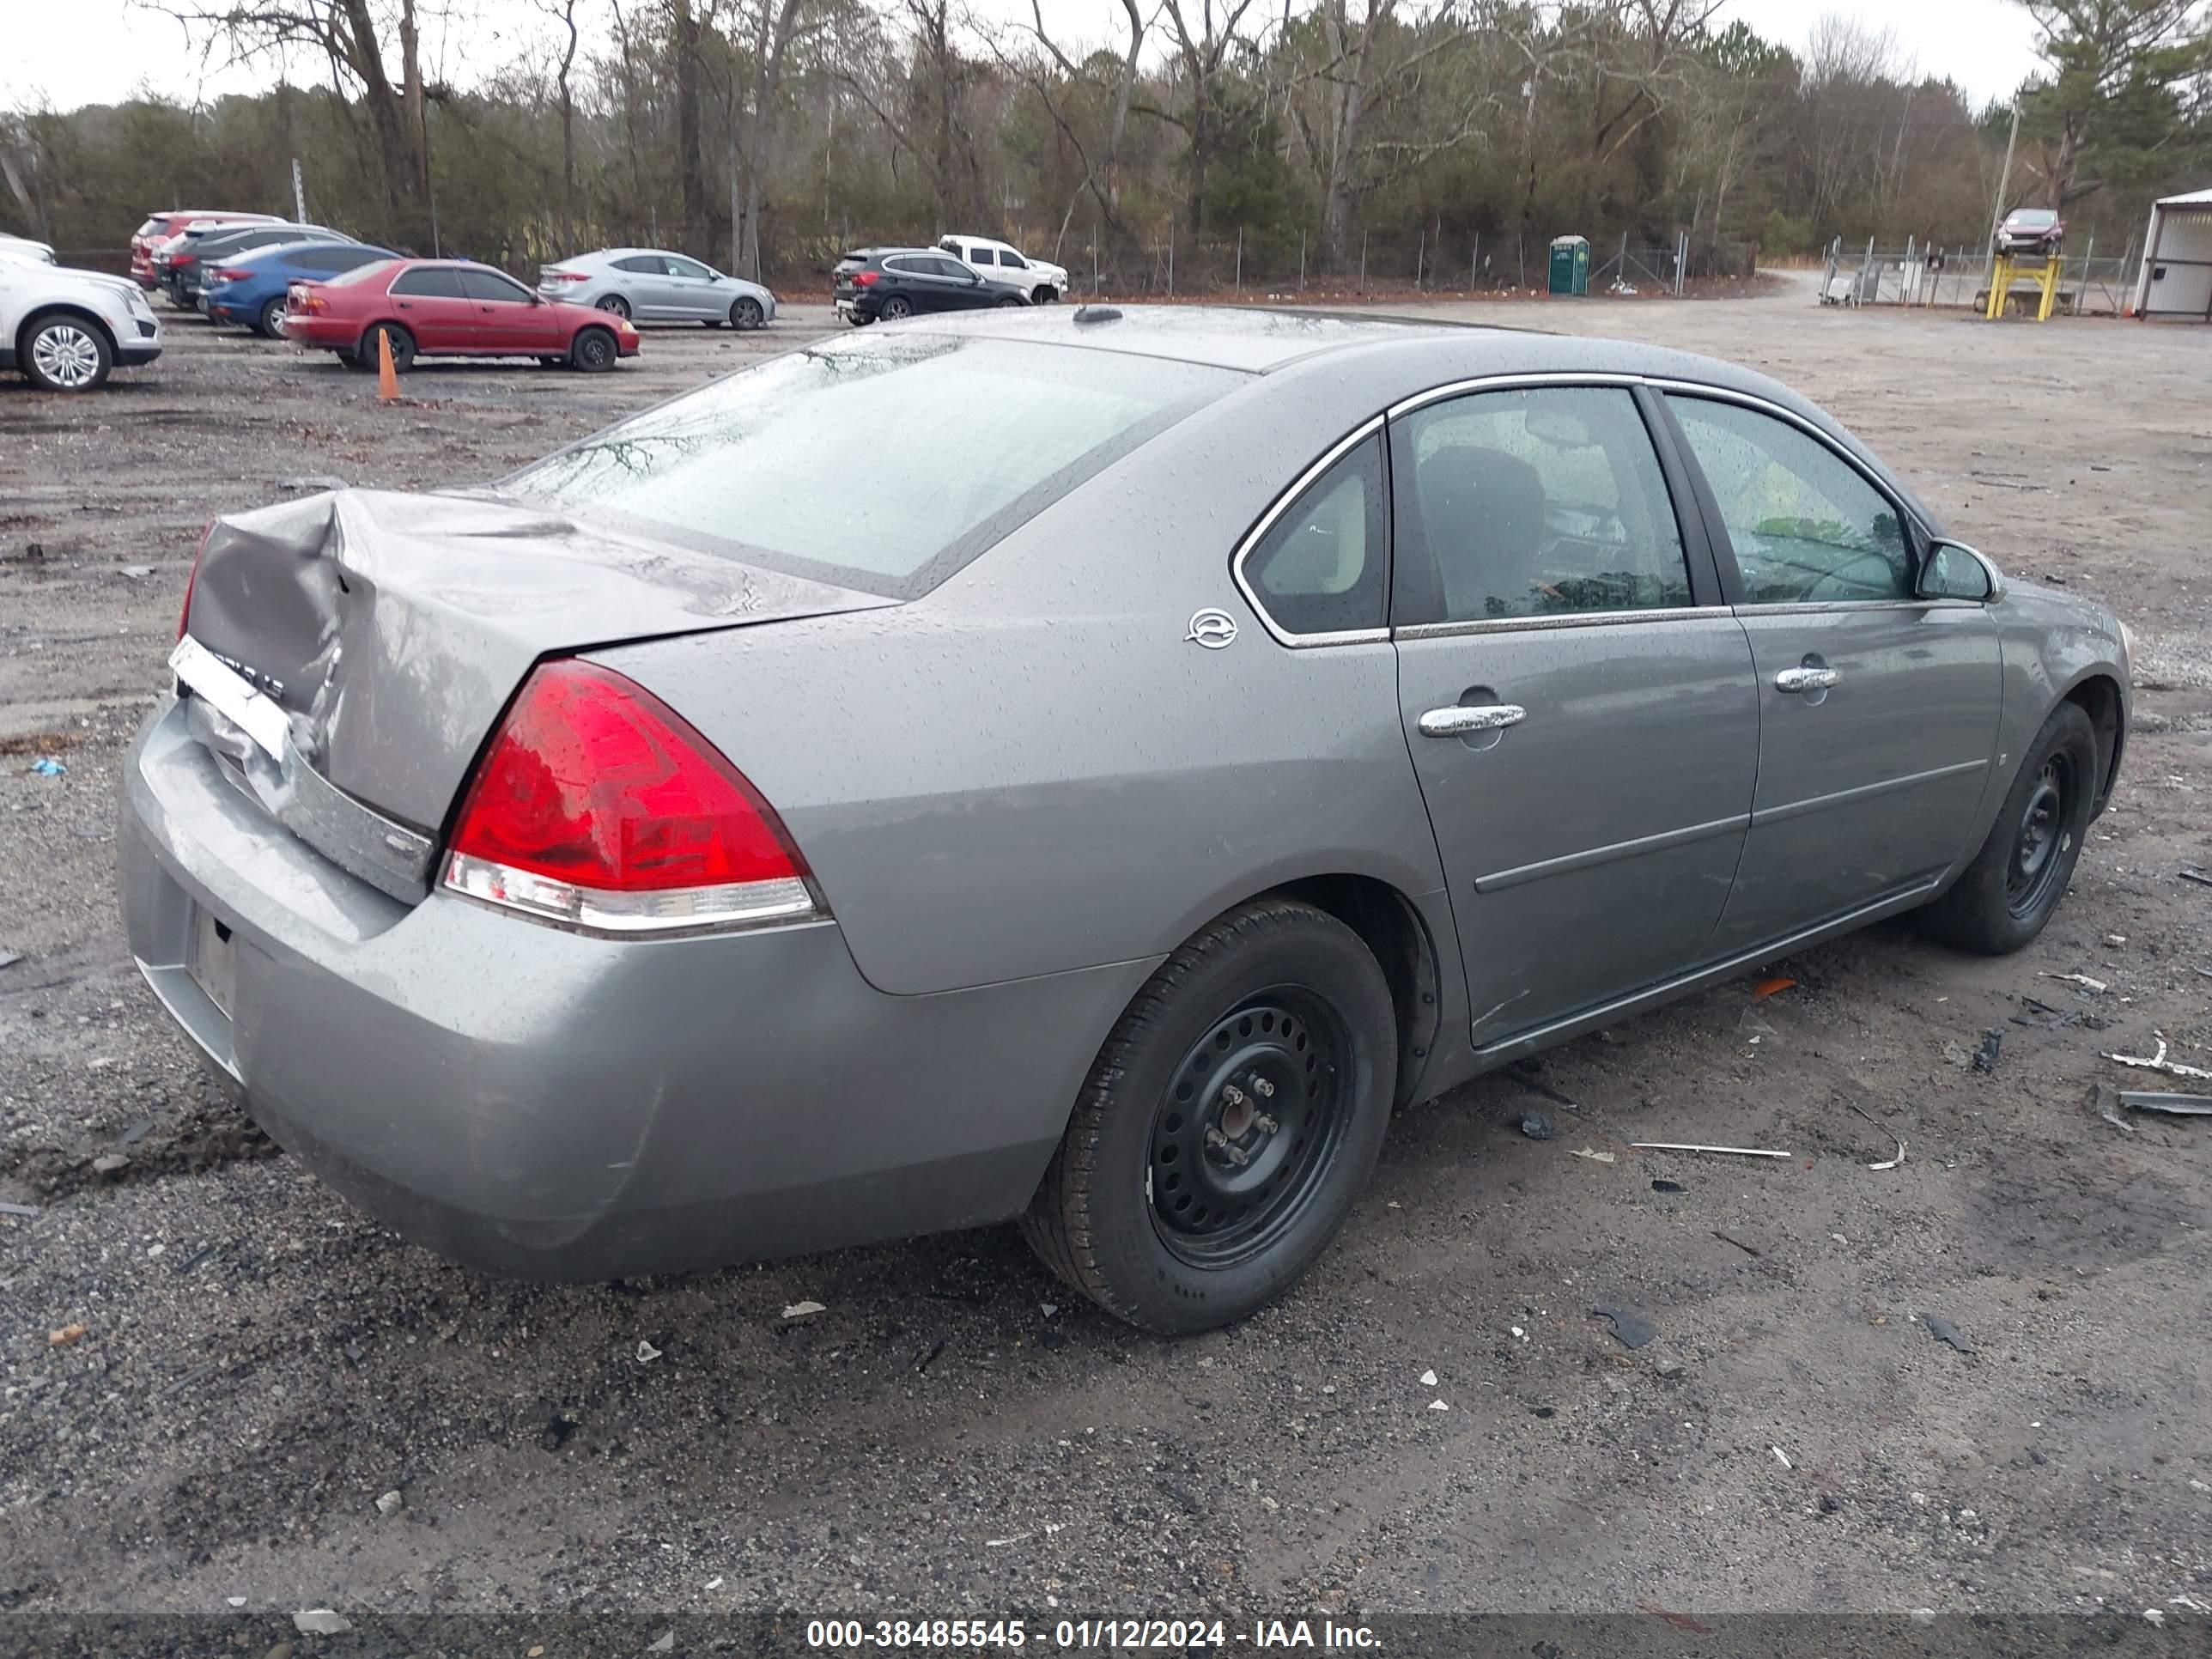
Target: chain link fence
x=1930, y=275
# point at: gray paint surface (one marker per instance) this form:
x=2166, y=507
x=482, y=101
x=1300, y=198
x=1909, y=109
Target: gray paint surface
x=1016, y=793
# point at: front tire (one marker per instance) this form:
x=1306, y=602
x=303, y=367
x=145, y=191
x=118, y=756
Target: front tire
x=64, y=353
x=592, y=351
x=1228, y=1125
x=1044, y=295
x=745, y=313
x=2008, y=892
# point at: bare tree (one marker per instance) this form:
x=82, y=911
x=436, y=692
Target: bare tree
x=1202, y=54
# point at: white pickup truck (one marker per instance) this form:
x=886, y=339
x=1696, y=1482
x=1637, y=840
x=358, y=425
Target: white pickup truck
x=1007, y=266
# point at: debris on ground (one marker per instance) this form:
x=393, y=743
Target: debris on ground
x=10, y=959
x=2106, y=1104
x=109, y=1163
x=1944, y=1331
x=1631, y=1328
x=803, y=1310
x=665, y=1643
x=1665, y=1186
x=2197, y=875
x=1767, y=987
x=1985, y=1057
x=47, y=766
x=1751, y=1027
x=321, y=1621
x=647, y=1353
x=1536, y=1125
x=2173, y=1105
x=558, y=1428
x=1690, y=1146
x=1958, y=1056
x=8, y=1206
x=1524, y=1073
x=1782, y=1457
x=1438, y=1406
x=390, y=1502
x=1592, y=1154
x=1730, y=1238
x=2159, y=1062
x=67, y=1335
x=1887, y=1162
x=2040, y=1016
x=2094, y=987
x=1428, y=1379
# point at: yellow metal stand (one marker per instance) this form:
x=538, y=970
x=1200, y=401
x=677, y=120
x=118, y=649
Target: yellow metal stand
x=2043, y=273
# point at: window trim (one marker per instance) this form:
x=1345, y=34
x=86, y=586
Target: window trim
x=1282, y=504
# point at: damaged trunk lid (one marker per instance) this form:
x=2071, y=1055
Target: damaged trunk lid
x=389, y=631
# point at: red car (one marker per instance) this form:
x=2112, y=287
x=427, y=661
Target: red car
x=161, y=227
x=449, y=308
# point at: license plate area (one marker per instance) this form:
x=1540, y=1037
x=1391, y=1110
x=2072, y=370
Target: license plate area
x=211, y=958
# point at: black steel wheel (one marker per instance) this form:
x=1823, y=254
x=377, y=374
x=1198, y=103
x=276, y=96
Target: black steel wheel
x=1228, y=1125
x=2005, y=894
x=592, y=351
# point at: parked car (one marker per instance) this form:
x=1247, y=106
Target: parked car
x=253, y=288
x=1003, y=265
x=179, y=264
x=892, y=283
x=449, y=308
x=2031, y=230
x=649, y=285
x=159, y=228
x=25, y=247
x=1253, y=722
x=65, y=329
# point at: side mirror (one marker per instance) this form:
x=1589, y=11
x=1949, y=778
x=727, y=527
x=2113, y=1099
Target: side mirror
x=1953, y=570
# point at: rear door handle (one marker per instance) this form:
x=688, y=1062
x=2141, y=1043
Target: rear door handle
x=1806, y=679
x=1461, y=718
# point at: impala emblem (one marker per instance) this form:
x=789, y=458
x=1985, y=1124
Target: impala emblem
x=1214, y=630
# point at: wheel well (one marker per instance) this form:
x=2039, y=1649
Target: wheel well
x=64, y=309
x=368, y=334
x=1388, y=924
x=2100, y=698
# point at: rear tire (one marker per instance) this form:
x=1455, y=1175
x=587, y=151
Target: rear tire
x=2007, y=895
x=403, y=348
x=895, y=308
x=1142, y=1209
x=268, y=323
x=593, y=352
x=615, y=306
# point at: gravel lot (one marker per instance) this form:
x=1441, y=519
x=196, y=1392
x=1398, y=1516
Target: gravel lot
x=952, y=1435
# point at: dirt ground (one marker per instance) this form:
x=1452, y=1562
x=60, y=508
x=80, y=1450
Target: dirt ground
x=955, y=1434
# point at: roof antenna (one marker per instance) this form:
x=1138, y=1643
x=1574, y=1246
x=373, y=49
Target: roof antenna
x=1086, y=315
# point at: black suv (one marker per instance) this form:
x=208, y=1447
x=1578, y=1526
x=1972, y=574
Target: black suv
x=891, y=282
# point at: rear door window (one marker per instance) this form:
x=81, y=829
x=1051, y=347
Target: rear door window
x=490, y=285
x=759, y=466
x=642, y=264
x=442, y=283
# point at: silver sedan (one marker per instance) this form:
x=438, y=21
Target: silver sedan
x=736, y=835
x=651, y=285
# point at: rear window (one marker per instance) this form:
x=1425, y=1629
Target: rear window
x=805, y=464
x=361, y=273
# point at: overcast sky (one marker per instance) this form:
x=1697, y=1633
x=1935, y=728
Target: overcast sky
x=101, y=51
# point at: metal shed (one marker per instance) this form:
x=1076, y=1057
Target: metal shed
x=2177, y=267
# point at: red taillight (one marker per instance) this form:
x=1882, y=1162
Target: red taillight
x=865, y=278
x=184, y=616
x=222, y=276
x=599, y=806
x=565, y=277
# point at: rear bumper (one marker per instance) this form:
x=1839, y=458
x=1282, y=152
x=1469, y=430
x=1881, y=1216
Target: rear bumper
x=536, y=1101
x=327, y=333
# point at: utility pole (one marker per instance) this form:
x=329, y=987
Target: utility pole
x=2004, y=178
x=299, y=194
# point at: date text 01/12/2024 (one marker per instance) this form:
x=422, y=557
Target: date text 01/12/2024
x=1100, y=1635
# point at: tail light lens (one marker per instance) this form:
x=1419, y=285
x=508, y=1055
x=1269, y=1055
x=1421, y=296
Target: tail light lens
x=599, y=806
x=564, y=276
x=221, y=275
x=865, y=278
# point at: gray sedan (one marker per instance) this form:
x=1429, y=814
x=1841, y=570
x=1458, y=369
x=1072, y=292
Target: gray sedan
x=697, y=846
x=650, y=285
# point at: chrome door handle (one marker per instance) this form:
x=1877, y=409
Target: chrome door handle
x=1460, y=719
x=1806, y=679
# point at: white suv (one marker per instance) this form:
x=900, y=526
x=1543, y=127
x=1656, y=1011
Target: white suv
x=65, y=328
x=1042, y=281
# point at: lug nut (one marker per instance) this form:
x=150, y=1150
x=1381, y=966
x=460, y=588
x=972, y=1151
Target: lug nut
x=1231, y=1094
x=1263, y=1088
x=1264, y=1124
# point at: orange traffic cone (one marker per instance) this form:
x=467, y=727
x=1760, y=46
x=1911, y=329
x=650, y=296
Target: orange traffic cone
x=387, y=378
